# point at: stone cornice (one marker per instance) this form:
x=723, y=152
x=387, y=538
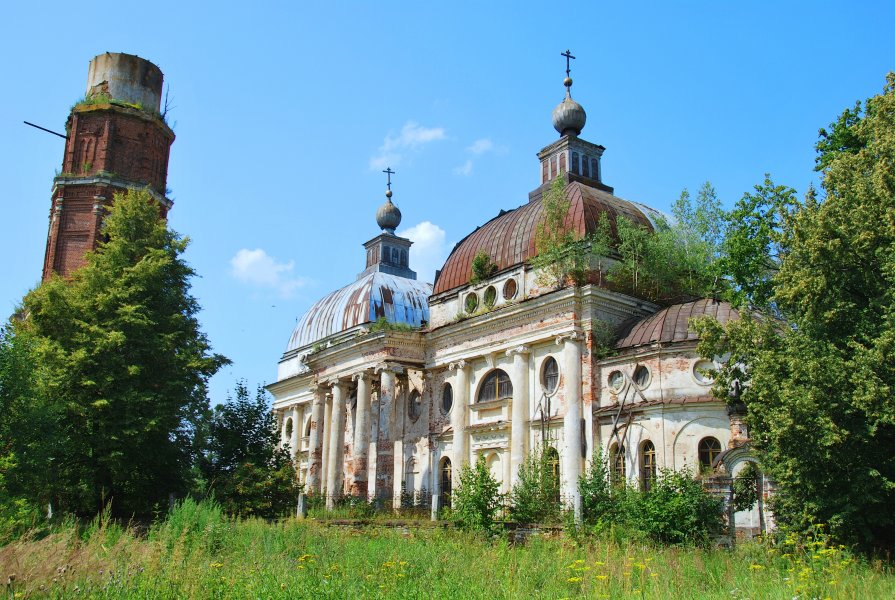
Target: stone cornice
x=111, y=181
x=524, y=350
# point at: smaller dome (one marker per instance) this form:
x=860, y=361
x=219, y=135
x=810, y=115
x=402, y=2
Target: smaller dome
x=388, y=217
x=569, y=117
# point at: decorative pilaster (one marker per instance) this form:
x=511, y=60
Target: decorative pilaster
x=572, y=459
x=315, y=442
x=520, y=408
x=458, y=413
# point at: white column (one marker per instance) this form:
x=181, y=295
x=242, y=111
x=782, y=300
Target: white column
x=336, y=435
x=327, y=429
x=458, y=414
x=295, y=440
x=281, y=425
x=520, y=408
x=572, y=463
x=385, y=449
x=398, y=414
x=372, y=456
x=315, y=443
x=361, y=436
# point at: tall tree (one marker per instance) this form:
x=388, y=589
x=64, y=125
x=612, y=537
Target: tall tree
x=245, y=467
x=819, y=388
x=123, y=366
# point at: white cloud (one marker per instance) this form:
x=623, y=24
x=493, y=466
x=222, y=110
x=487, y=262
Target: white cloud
x=412, y=137
x=481, y=146
x=255, y=267
x=465, y=169
x=429, y=249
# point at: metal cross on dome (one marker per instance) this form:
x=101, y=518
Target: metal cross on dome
x=388, y=171
x=568, y=55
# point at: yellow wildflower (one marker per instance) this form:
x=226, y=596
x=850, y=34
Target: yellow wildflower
x=602, y=577
x=756, y=567
x=574, y=579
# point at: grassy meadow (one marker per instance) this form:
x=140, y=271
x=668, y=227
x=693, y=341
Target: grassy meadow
x=196, y=552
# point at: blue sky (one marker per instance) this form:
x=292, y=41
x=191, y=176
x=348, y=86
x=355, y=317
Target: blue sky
x=286, y=112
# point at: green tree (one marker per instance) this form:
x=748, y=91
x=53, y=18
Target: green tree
x=123, y=367
x=819, y=387
x=244, y=466
x=477, y=499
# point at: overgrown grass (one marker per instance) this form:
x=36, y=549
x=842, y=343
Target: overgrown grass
x=197, y=552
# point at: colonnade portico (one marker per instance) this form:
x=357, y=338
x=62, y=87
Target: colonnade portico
x=378, y=461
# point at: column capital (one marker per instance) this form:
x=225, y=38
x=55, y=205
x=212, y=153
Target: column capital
x=518, y=350
x=396, y=369
x=363, y=375
x=458, y=364
x=571, y=336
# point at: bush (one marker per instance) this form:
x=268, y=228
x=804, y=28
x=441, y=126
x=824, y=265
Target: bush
x=597, y=506
x=675, y=510
x=192, y=525
x=535, y=496
x=476, y=500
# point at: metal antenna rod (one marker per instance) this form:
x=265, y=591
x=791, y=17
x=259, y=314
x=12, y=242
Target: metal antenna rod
x=64, y=137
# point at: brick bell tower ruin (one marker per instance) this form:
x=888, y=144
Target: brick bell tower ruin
x=117, y=140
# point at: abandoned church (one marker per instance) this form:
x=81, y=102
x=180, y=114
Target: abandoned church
x=389, y=385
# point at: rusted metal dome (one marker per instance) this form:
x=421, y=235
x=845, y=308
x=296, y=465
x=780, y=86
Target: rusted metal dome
x=375, y=295
x=672, y=324
x=509, y=238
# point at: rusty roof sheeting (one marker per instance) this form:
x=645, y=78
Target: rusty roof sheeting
x=509, y=238
x=672, y=324
x=377, y=294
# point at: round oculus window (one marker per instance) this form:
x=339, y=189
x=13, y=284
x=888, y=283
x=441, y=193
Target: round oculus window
x=550, y=375
x=641, y=376
x=509, y=289
x=490, y=296
x=704, y=371
x=616, y=381
x=447, y=398
x=471, y=303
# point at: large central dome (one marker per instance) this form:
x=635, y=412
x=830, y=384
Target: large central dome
x=509, y=238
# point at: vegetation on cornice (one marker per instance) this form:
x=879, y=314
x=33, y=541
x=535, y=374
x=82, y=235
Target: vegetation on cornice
x=383, y=324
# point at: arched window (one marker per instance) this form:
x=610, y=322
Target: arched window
x=575, y=163
x=496, y=386
x=288, y=428
x=550, y=375
x=647, y=465
x=709, y=449
x=447, y=398
x=414, y=405
x=308, y=428
x=617, y=472
x=551, y=459
x=445, y=483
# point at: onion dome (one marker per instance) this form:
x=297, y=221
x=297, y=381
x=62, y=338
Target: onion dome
x=569, y=116
x=375, y=295
x=388, y=217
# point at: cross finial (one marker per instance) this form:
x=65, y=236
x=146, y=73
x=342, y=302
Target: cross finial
x=568, y=55
x=388, y=172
